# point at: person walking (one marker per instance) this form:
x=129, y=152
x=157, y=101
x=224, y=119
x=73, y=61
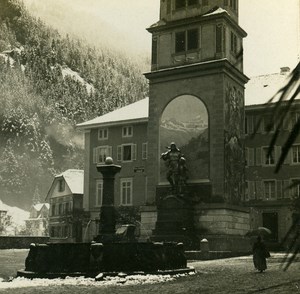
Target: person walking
x=260, y=253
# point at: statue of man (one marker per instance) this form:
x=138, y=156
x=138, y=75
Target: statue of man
x=172, y=159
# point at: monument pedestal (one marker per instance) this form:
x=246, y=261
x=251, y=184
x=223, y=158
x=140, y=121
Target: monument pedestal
x=175, y=221
x=224, y=226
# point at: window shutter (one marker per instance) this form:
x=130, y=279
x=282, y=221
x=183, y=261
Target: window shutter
x=288, y=158
x=259, y=190
x=250, y=159
x=144, y=150
x=286, y=190
x=277, y=153
x=95, y=155
x=134, y=151
x=251, y=189
x=250, y=124
x=279, y=189
x=109, y=151
x=258, y=156
x=119, y=153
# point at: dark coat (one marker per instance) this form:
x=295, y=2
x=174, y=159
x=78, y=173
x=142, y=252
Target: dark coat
x=260, y=253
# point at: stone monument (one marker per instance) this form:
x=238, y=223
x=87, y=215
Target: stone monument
x=105, y=255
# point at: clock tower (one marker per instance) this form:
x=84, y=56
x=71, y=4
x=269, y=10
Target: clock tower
x=196, y=100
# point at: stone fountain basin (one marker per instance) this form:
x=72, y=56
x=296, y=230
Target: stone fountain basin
x=59, y=260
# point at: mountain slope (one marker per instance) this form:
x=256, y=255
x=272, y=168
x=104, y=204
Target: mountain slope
x=48, y=83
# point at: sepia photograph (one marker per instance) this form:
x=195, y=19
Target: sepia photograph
x=149, y=146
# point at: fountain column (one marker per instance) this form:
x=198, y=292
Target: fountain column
x=107, y=210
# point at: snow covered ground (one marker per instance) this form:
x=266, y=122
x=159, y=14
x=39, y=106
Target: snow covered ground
x=81, y=281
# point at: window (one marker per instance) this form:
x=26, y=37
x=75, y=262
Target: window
x=187, y=40
x=127, y=131
x=247, y=191
x=67, y=207
x=99, y=192
x=192, y=39
x=60, y=209
x=220, y=38
x=126, y=191
x=295, y=188
x=53, y=209
x=180, y=42
x=246, y=157
x=246, y=125
x=249, y=124
x=204, y=2
x=179, y=4
x=66, y=231
x=296, y=154
x=269, y=189
x=233, y=43
x=268, y=123
x=101, y=152
x=61, y=185
x=145, y=151
x=126, y=152
x=154, y=51
x=295, y=118
x=103, y=134
x=268, y=159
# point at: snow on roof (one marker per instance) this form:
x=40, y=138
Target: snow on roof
x=74, y=179
x=260, y=89
x=216, y=11
x=136, y=111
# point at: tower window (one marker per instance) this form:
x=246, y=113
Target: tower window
x=180, y=42
x=154, y=51
x=179, y=4
x=192, y=39
x=233, y=43
x=220, y=39
x=187, y=40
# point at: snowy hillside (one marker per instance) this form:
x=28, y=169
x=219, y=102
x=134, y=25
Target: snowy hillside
x=18, y=217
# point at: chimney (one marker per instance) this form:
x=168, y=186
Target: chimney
x=284, y=70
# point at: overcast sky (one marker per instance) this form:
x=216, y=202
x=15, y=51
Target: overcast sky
x=272, y=27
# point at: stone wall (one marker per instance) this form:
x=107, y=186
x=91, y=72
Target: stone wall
x=20, y=242
x=222, y=219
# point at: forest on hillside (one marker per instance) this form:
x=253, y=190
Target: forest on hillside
x=41, y=102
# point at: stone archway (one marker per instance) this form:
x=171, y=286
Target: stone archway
x=185, y=121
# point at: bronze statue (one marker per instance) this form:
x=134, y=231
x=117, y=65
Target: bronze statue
x=176, y=164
